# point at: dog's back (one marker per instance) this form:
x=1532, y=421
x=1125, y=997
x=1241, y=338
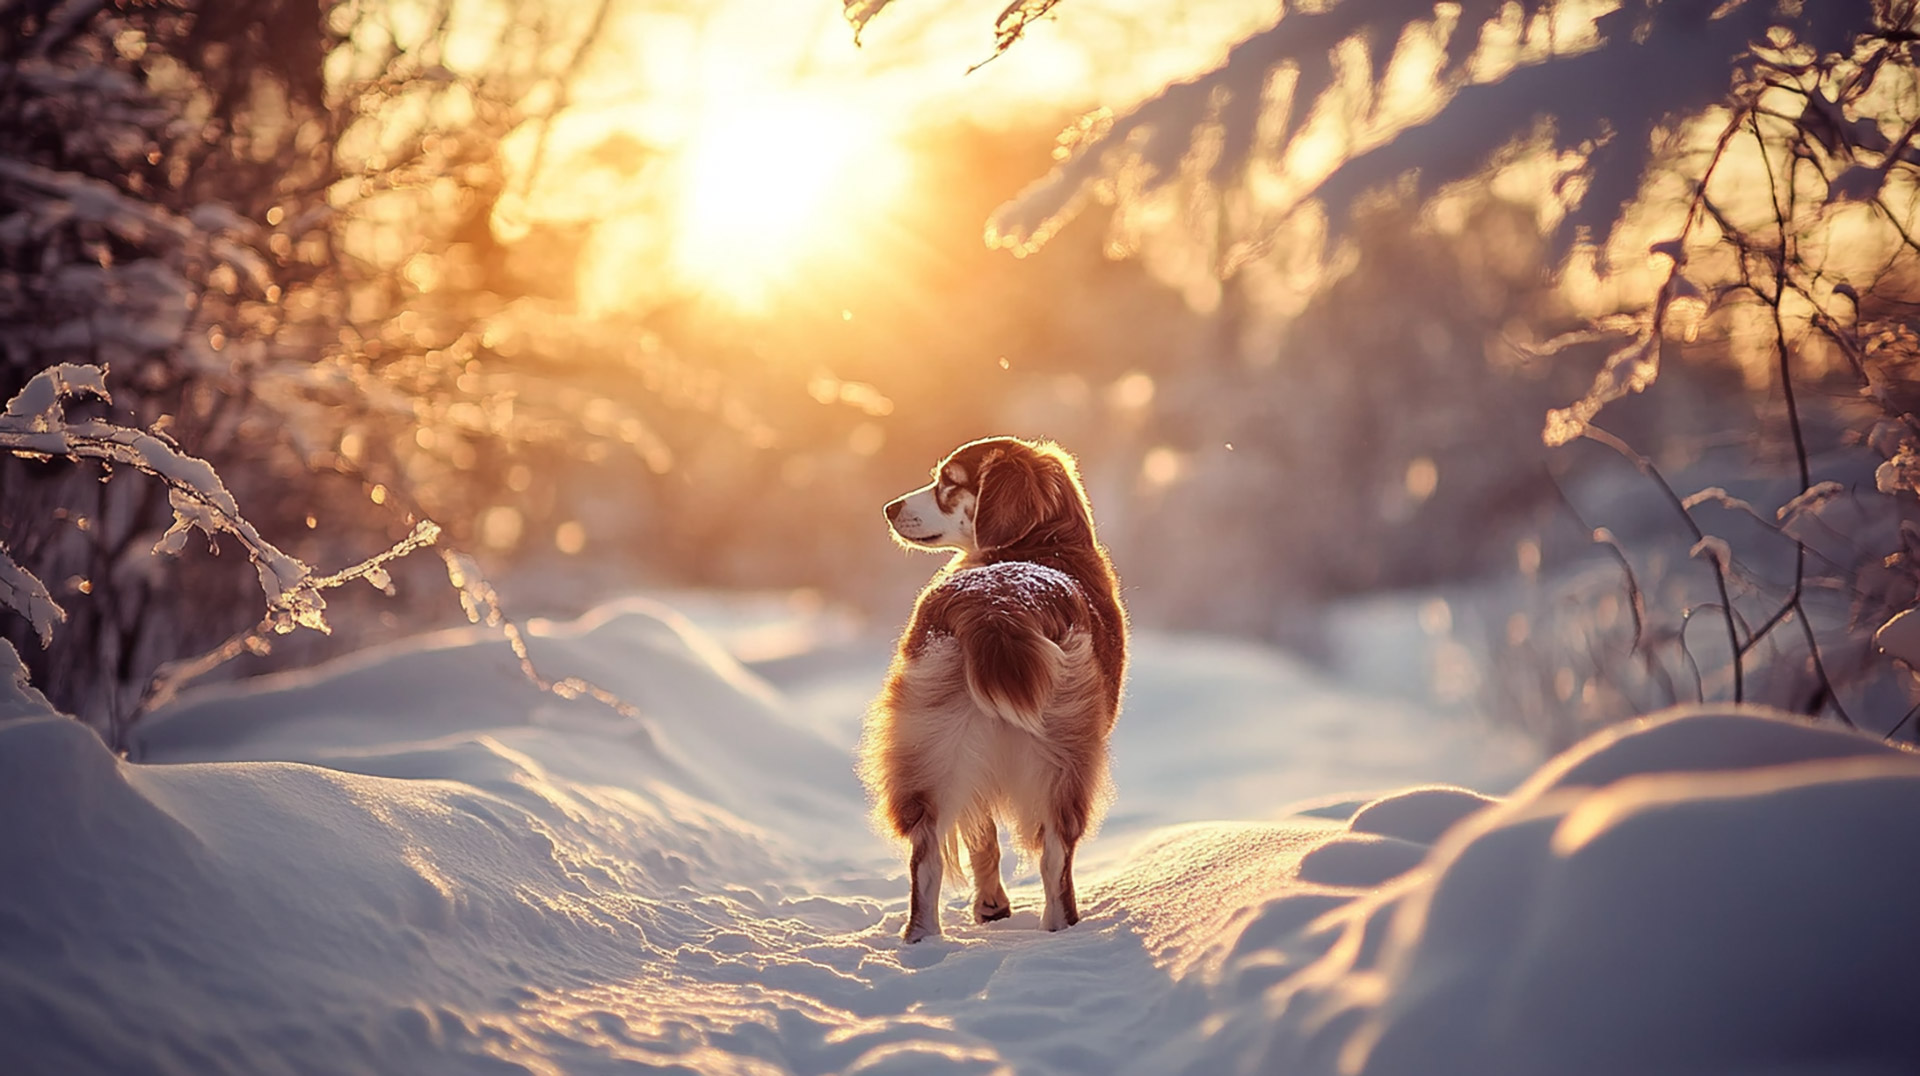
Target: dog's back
x=997, y=701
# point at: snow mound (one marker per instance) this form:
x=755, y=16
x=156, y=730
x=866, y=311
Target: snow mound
x=1705, y=892
x=261, y=917
x=1360, y=860
x=1419, y=815
x=709, y=727
x=1696, y=738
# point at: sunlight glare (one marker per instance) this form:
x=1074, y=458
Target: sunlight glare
x=768, y=184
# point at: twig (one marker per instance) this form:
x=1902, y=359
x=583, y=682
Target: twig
x=167, y=680
x=1635, y=602
x=564, y=97
x=1779, y=615
x=1898, y=725
x=1656, y=667
x=1784, y=354
x=482, y=605
x=1820, y=670
x=1646, y=467
x=1699, y=681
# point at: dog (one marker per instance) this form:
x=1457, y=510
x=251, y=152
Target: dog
x=1006, y=682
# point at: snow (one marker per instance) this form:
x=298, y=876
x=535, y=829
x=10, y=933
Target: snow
x=1707, y=893
x=413, y=861
x=23, y=592
x=1023, y=581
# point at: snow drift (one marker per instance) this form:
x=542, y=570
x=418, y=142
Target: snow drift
x=413, y=862
x=1702, y=892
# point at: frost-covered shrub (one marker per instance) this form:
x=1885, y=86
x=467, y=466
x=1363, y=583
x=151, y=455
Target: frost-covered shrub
x=35, y=424
x=125, y=240
x=270, y=222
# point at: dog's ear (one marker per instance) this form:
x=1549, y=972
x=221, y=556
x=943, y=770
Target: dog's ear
x=1019, y=490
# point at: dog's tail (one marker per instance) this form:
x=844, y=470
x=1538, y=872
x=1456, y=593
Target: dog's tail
x=1010, y=665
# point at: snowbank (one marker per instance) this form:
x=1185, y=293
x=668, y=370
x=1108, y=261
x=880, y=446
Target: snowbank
x=1705, y=892
x=411, y=862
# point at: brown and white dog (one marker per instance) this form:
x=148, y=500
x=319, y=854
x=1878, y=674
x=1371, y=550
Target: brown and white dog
x=1006, y=682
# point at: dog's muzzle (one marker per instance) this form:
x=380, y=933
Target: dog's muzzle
x=906, y=524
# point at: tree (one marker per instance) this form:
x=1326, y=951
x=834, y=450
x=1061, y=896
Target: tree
x=270, y=222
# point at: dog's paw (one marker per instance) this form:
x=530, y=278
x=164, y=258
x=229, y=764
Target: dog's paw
x=1054, y=919
x=989, y=911
x=916, y=932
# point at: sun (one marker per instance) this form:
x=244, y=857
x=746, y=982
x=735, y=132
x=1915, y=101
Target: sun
x=768, y=186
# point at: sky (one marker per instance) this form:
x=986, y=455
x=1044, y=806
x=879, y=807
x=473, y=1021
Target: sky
x=775, y=131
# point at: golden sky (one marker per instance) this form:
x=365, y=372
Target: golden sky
x=773, y=129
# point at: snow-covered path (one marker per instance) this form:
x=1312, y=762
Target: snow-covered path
x=411, y=862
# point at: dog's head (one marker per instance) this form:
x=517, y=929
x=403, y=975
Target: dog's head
x=992, y=494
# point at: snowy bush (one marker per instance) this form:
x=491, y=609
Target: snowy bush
x=35, y=425
x=270, y=221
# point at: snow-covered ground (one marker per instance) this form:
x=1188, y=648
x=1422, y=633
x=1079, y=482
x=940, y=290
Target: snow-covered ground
x=412, y=862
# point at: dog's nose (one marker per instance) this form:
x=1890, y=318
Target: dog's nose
x=893, y=510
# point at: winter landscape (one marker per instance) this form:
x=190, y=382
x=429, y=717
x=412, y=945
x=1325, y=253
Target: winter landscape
x=410, y=861
x=444, y=579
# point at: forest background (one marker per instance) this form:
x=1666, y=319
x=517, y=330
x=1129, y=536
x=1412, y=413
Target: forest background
x=658, y=295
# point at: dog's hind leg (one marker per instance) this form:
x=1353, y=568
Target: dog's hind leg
x=1066, y=823
x=983, y=848
x=1056, y=877
x=914, y=817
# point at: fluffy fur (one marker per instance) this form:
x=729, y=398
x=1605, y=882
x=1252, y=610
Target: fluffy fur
x=1006, y=682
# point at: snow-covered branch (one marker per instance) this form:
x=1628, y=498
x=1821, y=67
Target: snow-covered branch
x=22, y=591
x=35, y=424
x=481, y=603
x=1602, y=81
